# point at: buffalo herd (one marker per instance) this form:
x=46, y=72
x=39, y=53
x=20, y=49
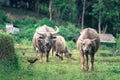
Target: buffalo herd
x=46, y=39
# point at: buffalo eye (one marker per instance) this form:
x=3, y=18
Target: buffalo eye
x=41, y=37
x=53, y=37
x=83, y=44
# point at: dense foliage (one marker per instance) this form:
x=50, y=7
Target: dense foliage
x=28, y=26
x=118, y=41
x=7, y=51
x=103, y=13
x=45, y=21
x=70, y=32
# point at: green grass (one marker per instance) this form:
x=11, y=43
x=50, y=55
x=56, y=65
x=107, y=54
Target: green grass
x=106, y=68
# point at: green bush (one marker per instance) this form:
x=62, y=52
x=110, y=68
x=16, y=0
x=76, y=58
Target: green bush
x=3, y=17
x=18, y=37
x=103, y=46
x=45, y=21
x=26, y=41
x=25, y=22
x=2, y=26
x=118, y=41
x=27, y=28
x=7, y=51
x=29, y=32
x=71, y=45
x=70, y=32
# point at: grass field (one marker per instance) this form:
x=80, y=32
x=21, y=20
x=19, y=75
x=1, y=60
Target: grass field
x=107, y=67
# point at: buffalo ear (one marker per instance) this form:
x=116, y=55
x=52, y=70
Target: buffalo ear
x=81, y=39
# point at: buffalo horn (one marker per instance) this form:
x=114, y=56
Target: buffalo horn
x=40, y=33
x=56, y=30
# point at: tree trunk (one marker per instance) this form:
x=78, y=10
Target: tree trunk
x=37, y=6
x=105, y=29
x=99, y=19
x=83, y=13
x=50, y=9
x=57, y=15
x=79, y=20
x=99, y=25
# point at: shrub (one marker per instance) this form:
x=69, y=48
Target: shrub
x=7, y=52
x=26, y=41
x=27, y=28
x=28, y=33
x=2, y=26
x=25, y=22
x=70, y=32
x=103, y=46
x=3, y=17
x=118, y=41
x=45, y=21
x=71, y=45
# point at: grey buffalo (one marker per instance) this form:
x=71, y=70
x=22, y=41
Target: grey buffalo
x=60, y=48
x=88, y=43
x=43, y=40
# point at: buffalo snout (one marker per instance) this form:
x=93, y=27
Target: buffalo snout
x=86, y=50
x=47, y=43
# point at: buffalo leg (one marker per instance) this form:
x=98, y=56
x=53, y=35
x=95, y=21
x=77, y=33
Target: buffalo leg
x=86, y=61
x=61, y=56
x=41, y=55
x=82, y=61
x=57, y=55
x=52, y=51
x=47, y=57
x=92, y=62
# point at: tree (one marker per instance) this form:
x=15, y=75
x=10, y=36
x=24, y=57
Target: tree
x=64, y=10
x=83, y=13
x=50, y=9
x=97, y=12
x=107, y=13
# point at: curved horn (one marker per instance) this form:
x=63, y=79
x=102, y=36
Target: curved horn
x=40, y=33
x=57, y=30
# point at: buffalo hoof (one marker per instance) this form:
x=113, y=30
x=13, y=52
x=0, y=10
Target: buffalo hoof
x=73, y=59
x=40, y=61
x=47, y=60
x=82, y=69
x=92, y=69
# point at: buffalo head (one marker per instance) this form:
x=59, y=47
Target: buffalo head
x=87, y=45
x=45, y=39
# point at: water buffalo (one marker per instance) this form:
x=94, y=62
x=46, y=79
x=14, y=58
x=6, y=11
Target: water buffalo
x=43, y=40
x=60, y=47
x=88, y=43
